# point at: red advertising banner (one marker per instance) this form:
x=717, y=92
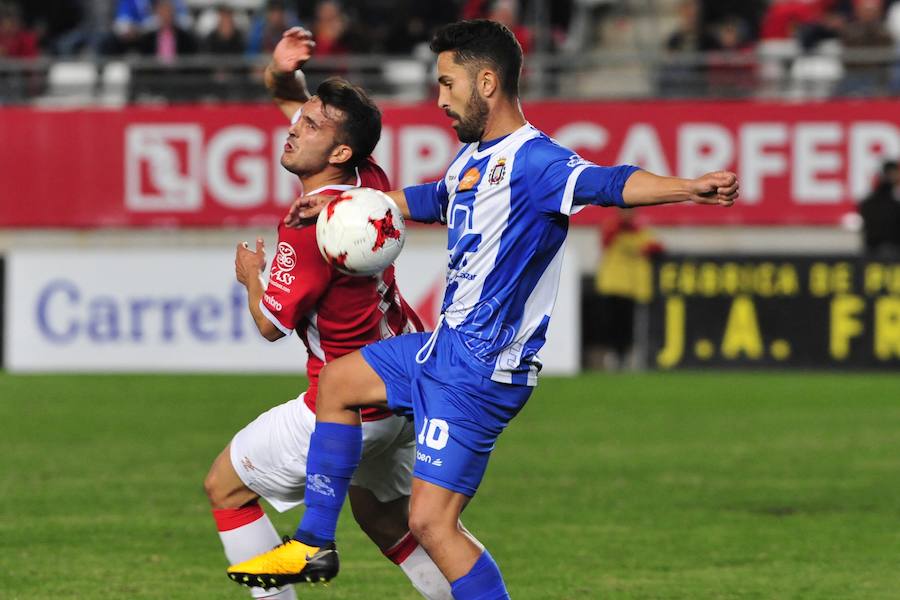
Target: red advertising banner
x=185, y=166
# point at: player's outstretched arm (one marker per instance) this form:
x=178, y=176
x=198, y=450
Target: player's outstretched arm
x=644, y=189
x=248, y=267
x=283, y=77
x=305, y=208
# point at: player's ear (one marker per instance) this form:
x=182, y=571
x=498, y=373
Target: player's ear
x=340, y=155
x=487, y=82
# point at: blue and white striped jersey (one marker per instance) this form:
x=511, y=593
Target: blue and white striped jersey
x=506, y=205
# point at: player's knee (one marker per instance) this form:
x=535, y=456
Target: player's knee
x=219, y=495
x=331, y=393
x=426, y=528
x=383, y=530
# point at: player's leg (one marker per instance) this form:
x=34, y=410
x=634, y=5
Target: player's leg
x=379, y=497
x=459, y=424
x=335, y=448
x=434, y=521
x=335, y=451
x=386, y=524
x=244, y=528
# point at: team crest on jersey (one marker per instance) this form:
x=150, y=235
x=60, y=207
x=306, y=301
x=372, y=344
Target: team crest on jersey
x=498, y=172
x=285, y=261
x=469, y=180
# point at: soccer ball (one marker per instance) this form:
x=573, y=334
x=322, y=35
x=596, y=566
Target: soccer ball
x=361, y=232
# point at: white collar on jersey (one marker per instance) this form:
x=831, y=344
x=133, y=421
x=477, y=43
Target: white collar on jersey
x=341, y=188
x=526, y=130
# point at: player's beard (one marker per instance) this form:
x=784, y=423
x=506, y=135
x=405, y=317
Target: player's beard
x=471, y=127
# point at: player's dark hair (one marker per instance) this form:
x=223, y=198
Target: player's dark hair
x=361, y=126
x=479, y=42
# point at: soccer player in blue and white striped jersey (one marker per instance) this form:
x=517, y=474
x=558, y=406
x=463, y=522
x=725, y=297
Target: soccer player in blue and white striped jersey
x=506, y=201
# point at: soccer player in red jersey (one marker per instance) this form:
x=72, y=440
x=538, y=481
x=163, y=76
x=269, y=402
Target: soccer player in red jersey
x=328, y=147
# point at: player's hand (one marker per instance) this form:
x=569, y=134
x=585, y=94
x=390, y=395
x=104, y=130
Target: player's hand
x=305, y=208
x=248, y=264
x=293, y=50
x=719, y=187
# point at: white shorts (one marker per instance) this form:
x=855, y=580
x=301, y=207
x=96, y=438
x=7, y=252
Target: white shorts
x=269, y=455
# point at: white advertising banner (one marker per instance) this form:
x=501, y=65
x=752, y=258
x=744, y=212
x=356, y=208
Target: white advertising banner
x=182, y=310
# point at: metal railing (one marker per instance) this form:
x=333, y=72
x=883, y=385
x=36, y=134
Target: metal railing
x=770, y=71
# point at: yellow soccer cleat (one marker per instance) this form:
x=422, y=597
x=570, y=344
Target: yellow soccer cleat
x=291, y=562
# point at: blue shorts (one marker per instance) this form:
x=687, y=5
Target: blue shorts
x=458, y=413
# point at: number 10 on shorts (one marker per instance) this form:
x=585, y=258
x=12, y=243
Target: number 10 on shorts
x=434, y=433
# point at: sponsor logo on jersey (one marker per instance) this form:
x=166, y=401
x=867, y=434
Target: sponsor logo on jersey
x=426, y=458
x=272, y=302
x=498, y=172
x=285, y=261
x=469, y=180
x=576, y=161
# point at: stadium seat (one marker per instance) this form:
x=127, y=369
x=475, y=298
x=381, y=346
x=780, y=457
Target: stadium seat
x=815, y=75
x=407, y=77
x=775, y=60
x=114, y=81
x=70, y=83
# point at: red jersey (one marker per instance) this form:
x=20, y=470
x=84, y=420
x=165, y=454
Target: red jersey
x=334, y=314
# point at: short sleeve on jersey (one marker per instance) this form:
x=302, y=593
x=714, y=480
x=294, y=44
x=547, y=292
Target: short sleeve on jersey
x=564, y=182
x=427, y=202
x=297, y=279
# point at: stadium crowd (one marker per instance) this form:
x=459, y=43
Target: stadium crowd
x=115, y=27
x=731, y=48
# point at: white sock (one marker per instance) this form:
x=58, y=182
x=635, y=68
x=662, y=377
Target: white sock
x=421, y=570
x=246, y=532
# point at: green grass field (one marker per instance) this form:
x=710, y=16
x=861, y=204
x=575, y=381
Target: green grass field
x=662, y=486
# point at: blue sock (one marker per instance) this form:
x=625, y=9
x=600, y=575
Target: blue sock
x=482, y=582
x=334, y=453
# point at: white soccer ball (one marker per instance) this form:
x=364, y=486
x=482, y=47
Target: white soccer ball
x=361, y=232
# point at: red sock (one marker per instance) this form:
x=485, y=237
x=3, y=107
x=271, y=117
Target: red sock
x=400, y=551
x=232, y=518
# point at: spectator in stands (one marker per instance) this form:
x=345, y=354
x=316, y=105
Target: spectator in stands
x=683, y=74
x=267, y=28
x=422, y=19
x=829, y=26
x=865, y=33
x=624, y=279
x=731, y=67
x=135, y=18
x=90, y=32
x=786, y=18
x=892, y=22
x=15, y=40
x=226, y=38
x=501, y=11
x=167, y=40
x=507, y=13
x=880, y=213
x=330, y=29
x=748, y=12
